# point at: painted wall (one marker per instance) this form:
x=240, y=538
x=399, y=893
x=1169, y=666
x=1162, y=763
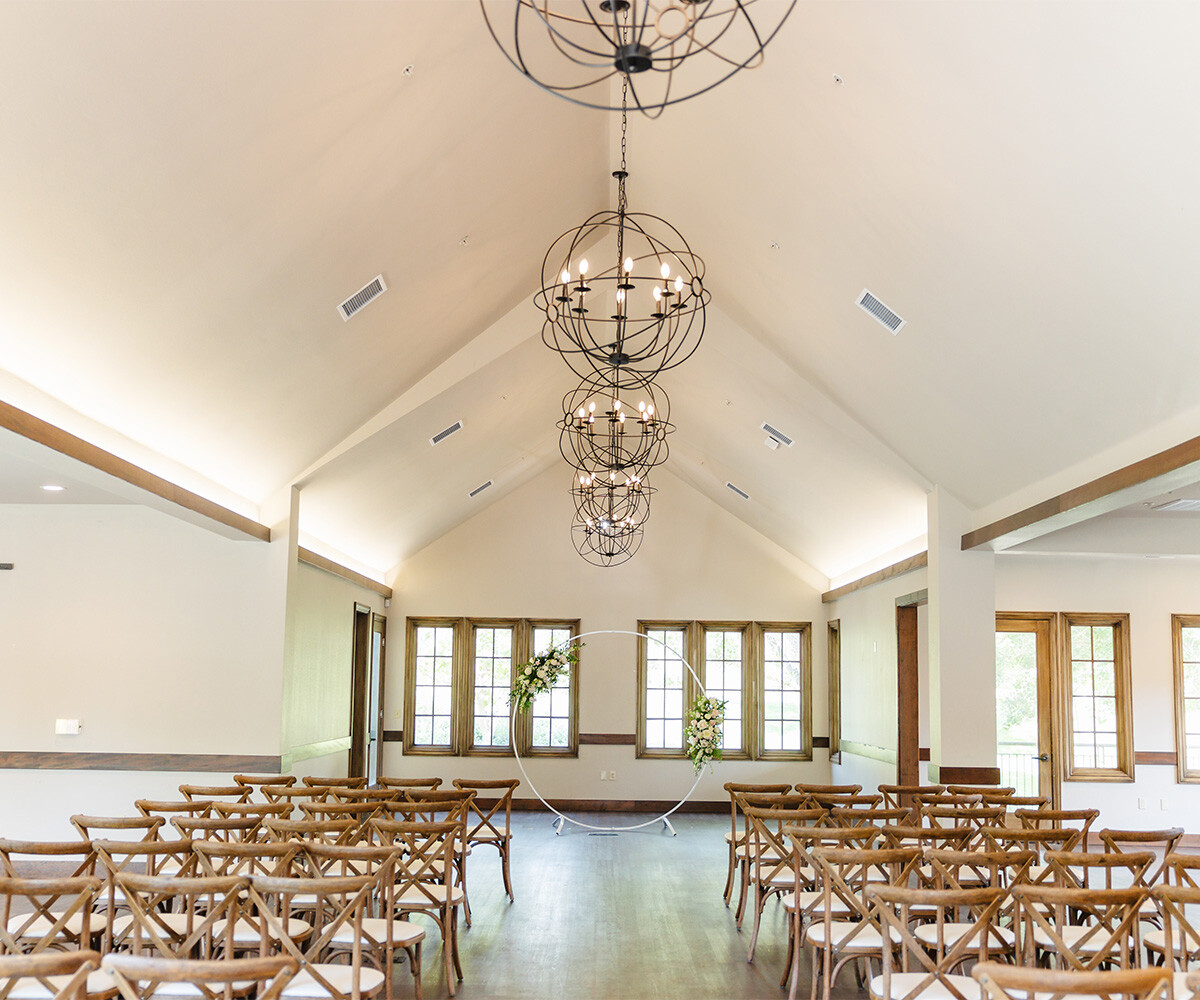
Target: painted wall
x=1150, y=590
x=868, y=631
x=160, y=636
x=515, y=559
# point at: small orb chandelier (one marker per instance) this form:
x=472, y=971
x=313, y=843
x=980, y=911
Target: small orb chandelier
x=573, y=48
x=601, y=432
x=606, y=543
x=613, y=499
x=641, y=308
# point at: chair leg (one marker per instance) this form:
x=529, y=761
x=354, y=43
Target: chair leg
x=729, y=875
x=744, y=875
x=759, y=903
x=414, y=966
x=462, y=881
x=787, y=968
x=454, y=942
x=504, y=872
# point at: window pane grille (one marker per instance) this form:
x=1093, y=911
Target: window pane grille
x=782, y=691
x=664, y=689
x=551, y=713
x=492, y=669
x=1093, y=696
x=723, y=679
x=434, y=685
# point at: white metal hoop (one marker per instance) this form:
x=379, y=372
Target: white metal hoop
x=611, y=829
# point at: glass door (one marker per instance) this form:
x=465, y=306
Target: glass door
x=1024, y=716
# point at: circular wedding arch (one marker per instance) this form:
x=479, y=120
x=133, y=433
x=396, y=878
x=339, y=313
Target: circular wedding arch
x=661, y=818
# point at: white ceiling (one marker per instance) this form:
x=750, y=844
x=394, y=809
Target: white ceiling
x=190, y=189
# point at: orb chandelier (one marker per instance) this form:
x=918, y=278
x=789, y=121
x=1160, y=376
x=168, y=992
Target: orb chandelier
x=602, y=432
x=573, y=48
x=613, y=499
x=606, y=543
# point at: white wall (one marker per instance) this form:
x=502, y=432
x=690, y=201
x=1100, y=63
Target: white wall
x=160, y=636
x=515, y=559
x=1150, y=590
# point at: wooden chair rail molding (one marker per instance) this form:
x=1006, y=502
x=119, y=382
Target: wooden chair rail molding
x=214, y=762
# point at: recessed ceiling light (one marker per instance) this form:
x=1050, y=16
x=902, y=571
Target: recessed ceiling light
x=53, y=488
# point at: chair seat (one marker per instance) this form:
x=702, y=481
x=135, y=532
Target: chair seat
x=1156, y=940
x=1000, y=938
x=488, y=837
x=414, y=897
x=30, y=988
x=1073, y=936
x=177, y=922
x=247, y=932
x=404, y=932
x=963, y=873
x=811, y=901
x=902, y=983
x=867, y=939
x=341, y=978
x=40, y=926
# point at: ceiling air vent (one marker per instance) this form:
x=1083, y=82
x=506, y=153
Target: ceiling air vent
x=441, y=436
x=371, y=290
x=479, y=489
x=777, y=435
x=872, y=305
x=1181, y=504
x=742, y=493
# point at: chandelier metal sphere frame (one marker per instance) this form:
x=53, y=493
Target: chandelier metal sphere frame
x=606, y=544
x=574, y=48
x=604, y=501
x=601, y=432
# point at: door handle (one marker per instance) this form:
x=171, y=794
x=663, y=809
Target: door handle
x=1043, y=756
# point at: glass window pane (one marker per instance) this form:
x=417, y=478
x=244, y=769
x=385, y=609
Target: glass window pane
x=1081, y=642
x=1102, y=642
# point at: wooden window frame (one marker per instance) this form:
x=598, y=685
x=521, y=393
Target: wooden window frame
x=1183, y=775
x=462, y=695
x=753, y=671
x=833, y=652
x=1123, y=691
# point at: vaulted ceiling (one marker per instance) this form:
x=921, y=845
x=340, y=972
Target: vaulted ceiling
x=188, y=190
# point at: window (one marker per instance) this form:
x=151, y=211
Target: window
x=457, y=678
x=1185, y=642
x=834, y=648
x=761, y=670
x=1099, y=728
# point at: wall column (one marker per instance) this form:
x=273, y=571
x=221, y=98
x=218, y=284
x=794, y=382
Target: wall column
x=962, y=650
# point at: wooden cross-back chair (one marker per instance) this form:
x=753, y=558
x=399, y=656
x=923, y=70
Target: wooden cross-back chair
x=273, y=858
x=359, y=813
x=333, y=905
x=148, y=857
x=943, y=838
x=424, y=879
x=17, y=857
x=255, y=782
x=321, y=831
x=844, y=876
x=1176, y=946
x=1007, y=838
x=932, y=953
x=353, y=782
x=44, y=914
x=1011, y=982
x=971, y=818
x=1165, y=841
x=145, y=977
x=484, y=822
x=111, y=827
x=807, y=899
x=444, y=806
x=167, y=809
x=258, y=810
x=832, y=800
x=770, y=855
x=945, y=800
x=54, y=975
x=958, y=870
x=1099, y=869
x=741, y=851
x=383, y=933
x=293, y=796
x=176, y=916
x=1082, y=929
x=224, y=793
x=1048, y=819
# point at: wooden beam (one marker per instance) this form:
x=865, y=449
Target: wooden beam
x=311, y=558
x=909, y=565
x=1173, y=460
x=55, y=438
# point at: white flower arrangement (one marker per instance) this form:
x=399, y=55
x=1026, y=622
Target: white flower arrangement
x=542, y=672
x=703, y=732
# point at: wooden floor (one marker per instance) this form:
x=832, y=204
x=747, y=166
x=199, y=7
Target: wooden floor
x=610, y=916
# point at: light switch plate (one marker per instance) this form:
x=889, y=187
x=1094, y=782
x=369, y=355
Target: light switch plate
x=67, y=727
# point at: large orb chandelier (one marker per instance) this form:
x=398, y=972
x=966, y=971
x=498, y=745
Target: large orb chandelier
x=573, y=48
x=615, y=422
x=639, y=304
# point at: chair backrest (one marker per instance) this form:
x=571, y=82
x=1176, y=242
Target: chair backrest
x=361, y=794
x=258, y=810
x=272, y=858
x=946, y=800
x=186, y=807
x=293, y=795
x=231, y=829
x=139, y=977
x=62, y=975
x=1012, y=803
x=175, y=917
x=410, y=782
x=970, y=869
x=424, y=871
x=863, y=817
x=16, y=856
x=256, y=781
x=938, y=837
x=44, y=914
x=359, y=813
x=973, y=818
x=1099, y=870
x=767, y=846
x=227, y=793
x=1063, y=819
x=348, y=861
x=148, y=857
x=1006, y=838
x=844, y=875
x=444, y=805
x=901, y=796
x=1108, y=921
x=976, y=914
x=483, y=822
x=93, y=827
x=1010, y=982
x=829, y=789
x=836, y=800
x=1144, y=840
x=981, y=790
x=1181, y=933
x=1182, y=868
x=355, y=782
x=327, y=831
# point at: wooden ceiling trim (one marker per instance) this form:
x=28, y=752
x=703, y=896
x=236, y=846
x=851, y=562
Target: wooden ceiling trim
x=909, y=565
x=311, y=558
x=55, y=438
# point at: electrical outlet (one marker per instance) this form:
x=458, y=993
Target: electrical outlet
x=612, y=776
x=67, y=727
x=398, y=714
x=1162, y=804
x=1141, y=803
x=604, y=776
